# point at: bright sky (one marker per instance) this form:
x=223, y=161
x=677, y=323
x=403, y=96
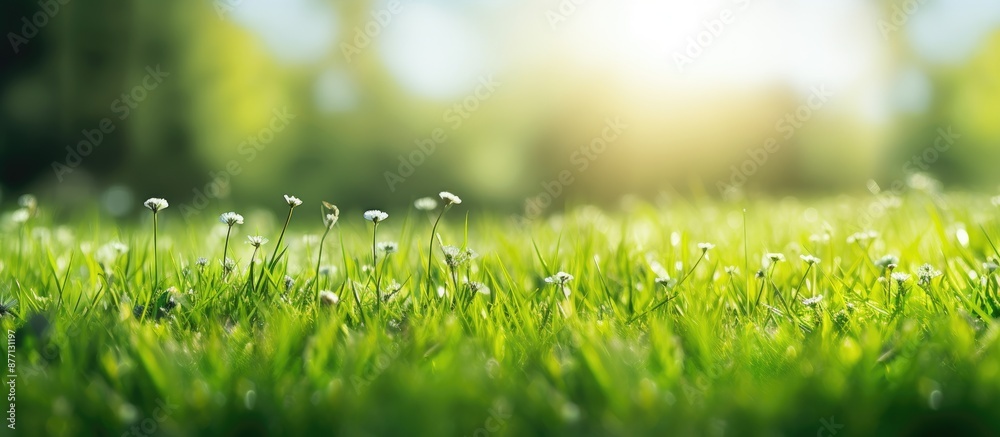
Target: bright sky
x=436, y=49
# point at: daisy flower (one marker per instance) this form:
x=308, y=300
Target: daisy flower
x=328, y=298
x=665, y=281
x=809, y=259
x=887, y=261
x=450, y=199
x=388, y=247
x=156, y=204
x=375, y=216
x=772, y=258
x=560, y=278
x=292, y=201
x=256, y=241
x=455, y=257
x=231, y=218
x=925, y=273
x=813, y=300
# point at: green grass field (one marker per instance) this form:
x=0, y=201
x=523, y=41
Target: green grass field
x=652, y=332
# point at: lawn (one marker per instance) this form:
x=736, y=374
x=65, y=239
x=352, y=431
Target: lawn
x=785, y=317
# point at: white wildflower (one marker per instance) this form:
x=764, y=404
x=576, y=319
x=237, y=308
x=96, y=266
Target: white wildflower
x=231, y=218
x=292, y=201
x=455, y=257
x=328, y=298
x=478, y=287
x=925, y=273
x=887, y=261
x=375, y=216
x=809, y=259
x=156, y=204
x=450, y=199
x=560, y=278
x=813, y=300
x=388, y=247
x=665, y=281
x=256, y=240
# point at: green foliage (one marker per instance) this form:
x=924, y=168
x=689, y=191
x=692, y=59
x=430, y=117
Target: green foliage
x=658, y=335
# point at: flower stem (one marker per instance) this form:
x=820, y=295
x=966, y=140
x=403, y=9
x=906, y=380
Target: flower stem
x=319, y=261
x=277, y=246
x=225, y=249
x=156, y=274
x=805, y=275
x=378, y=291
x=274, y=256
x=430, y=250
x=156, y=266
x=252, y=258
x=676, y=287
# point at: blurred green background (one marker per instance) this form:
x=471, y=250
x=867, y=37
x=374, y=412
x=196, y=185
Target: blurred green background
x=332, y=95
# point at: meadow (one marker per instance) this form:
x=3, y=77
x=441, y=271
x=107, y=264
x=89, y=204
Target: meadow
x=682, y=317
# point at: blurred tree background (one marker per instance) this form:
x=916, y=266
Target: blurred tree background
x=366, y=80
